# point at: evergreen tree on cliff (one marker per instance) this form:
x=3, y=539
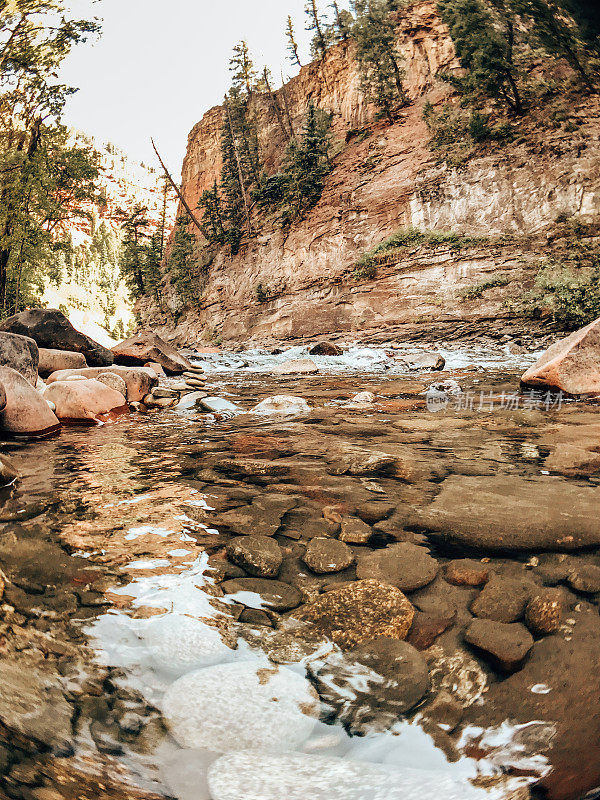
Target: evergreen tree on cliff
x=379, y=59
x=292, y=44
x=316, y=24
x=242, y=68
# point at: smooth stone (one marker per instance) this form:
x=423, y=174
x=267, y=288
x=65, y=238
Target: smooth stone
x=190, y=401
x=502, y=599
x=53, y=360
x=258, y=555
x=140, y=381
x=506, y=644
x=359, y=611
x=466, y=572
x=585, y=578
x=83, y=401
x=304, y=776
x=49, y=328
x=114, y=381
x=507, y=513
x=20, y=353
x=544, y=611
x=361, y=400
x=296, y=366
x=374, y=511
x=272, y=595
x=146, y=346
x=261, y=518
x=26, y=412
x=241, y=706
x=179, y=644
x=218, y=405
x=424, y=361
x=404, y=565
x=355, y=531
x=282, y=404
x=324, y=556
x=371, y=686
x=571, y=365
x=196, y=375
x=162, y=392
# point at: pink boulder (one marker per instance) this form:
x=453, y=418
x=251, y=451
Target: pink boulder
x=84, y=402
x=139, y=380
x=26, y=413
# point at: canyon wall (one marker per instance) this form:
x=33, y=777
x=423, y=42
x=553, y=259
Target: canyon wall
x=386, y=177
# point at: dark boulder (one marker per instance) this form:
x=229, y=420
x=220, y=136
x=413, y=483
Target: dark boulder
x=146, y=346
x=49, y=328
x=20, y=353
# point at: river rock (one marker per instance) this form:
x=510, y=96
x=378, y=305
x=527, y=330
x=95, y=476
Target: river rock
x=585, y=578
x=434, y=362
x=359, y=611
x=261, y=518
x=369, y=687
x=140, y=381
x=146, y=346
x=571, y=365
x=261, y=593
x=507, y=513
x=506, y=645
x=241, y=706
x=355, y=531
x=179, y=644
x=503, y=599
x=327, y=555
x=258, y=555
x=466, y=572
x=20, y=353
x=544, y=611
x=374, y=511
x=303, y=776
x=33, y=707
x=54, y=360
x=190, y=400
x=51, y=329
x=282, y=404
x=83, y=401
x=219, y=405
x=156, y=368
x=114, y=381
x=296, y=366
x=26, y=412
x=404, y=565
x=8, y=472
x=325, y=349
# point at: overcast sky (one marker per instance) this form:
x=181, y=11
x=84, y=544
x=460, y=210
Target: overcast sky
x=159, y=66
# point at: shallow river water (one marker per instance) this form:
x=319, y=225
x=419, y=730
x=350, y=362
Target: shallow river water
x=159, y=676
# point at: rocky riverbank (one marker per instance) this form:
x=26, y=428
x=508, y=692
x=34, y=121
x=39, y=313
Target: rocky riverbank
x=390, y=569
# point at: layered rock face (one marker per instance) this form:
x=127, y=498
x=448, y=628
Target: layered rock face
x=386, y=177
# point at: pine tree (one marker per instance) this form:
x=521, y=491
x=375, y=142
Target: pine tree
x=292, y=44
x=242, y=68
x=232, y=184
x=343, y=23
x=183, y=263
x=213, y=221
x=316, y=24
x=379, y=61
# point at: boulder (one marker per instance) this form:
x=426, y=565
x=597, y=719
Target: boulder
x=83, y=401
x=258, y=555
x=139, y=380
x=424, y=361
x=179, y=644
x=506, y=513
x=404, y=565
x=26, y=412
x=571, y=365
x=296, y=366
x=54, y=360
x=506, y=645
x=114, y=381
x=369, y=687
x=324, y=556
x=20, y=353
x=157, y=368
x=51, y=329
x=241, y=706
x=358, y=612
x=326, y=349
x=283, y=405
x=146, y=346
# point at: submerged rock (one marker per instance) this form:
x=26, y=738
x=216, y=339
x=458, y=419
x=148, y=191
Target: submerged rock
x=258, y=555
x=241, y=706
x=146, y=347
x=301, y=776
x=218, y=405
x=26, y=412
x=83, y=401
x=506, y=513
x=296, y=366
x=49, y=328
x=262, y=593
x=467, y=572
x=54, y=360
x=506, y=644
x=20, y=353
x=139, y=380
x=324, y=556
x=8, y=473
x=571, y=365
x=502, y=599
x=544, y=611
x=404, y=565
x=179, y=644
x=359, y=611
x=283, y=404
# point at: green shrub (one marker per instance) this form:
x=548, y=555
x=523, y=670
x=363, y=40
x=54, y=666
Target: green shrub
x=476, y=291
x=573, y=299
x=262, y=293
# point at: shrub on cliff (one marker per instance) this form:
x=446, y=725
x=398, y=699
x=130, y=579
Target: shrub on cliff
x=571, y=297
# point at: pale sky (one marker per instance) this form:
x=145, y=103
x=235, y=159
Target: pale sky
x=160, y=65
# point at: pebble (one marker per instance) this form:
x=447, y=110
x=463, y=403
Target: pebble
x=327, y=555
x=241, y=706
x=258, y=555
x=405, y=565
x=179, y=644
